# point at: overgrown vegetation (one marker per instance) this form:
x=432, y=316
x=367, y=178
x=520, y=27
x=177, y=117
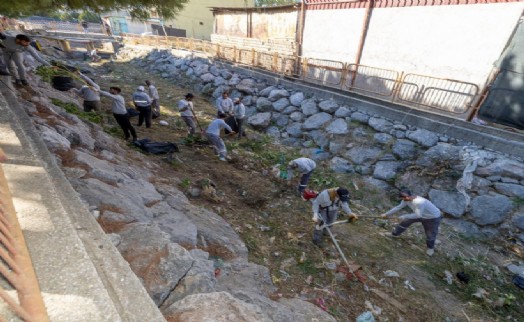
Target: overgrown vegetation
x=488, y=288
x=73, y=109
x=47, y=73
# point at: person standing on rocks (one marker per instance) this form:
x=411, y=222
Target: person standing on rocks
x=213, y=135
x=155, y=104
x=239, y=112
x=90, y=94
x=305, y=166
x=13, y=49
x=325, y=210
x=118, y=107
x=424, y=212
x=185, y=107
x=224, y=104
x=142, y=102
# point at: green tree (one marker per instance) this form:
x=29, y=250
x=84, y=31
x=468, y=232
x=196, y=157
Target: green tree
x=139, y=9
x=89, y=16
x=271, y=3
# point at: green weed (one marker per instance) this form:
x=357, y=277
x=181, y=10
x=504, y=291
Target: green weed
x=71, y=108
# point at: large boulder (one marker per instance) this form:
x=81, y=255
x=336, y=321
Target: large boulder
x=423, y=137
x=216, y=307
x=296, y=99
x=264, y=105
x=363, y=154
x=510, y=189
x=260, y=120
x=381, y=125
x=490, y=209
x=265, y=92
x=452, y=203
x=341, y=165
x=316, y=121
x=338, y=126
x=360, y=117
x=518, y=220
x=199, y=279
x=277, y=94
x=309, y=107
x=247, y=86
x=281, y=104
x=404, y=149
x=440, y=152
x=282, y=120
x=383, y=138
x=464, y=227
x=53, y=140
x=387, y=170
x=294, y=130
x=328, y=106
x=240, y=274
x=296, y=116
x=159, y=263
x=290, y=109
x=417, y=183
x=503, y=167
x=343, y=112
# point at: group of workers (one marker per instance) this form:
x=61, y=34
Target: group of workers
x=327, y=203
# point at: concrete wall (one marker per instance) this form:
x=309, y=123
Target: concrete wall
x=457, y=41
x=197, y=19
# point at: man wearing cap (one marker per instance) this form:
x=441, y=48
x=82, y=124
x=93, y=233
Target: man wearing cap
x=143, y=104
x=224, y=104
x=305, y=166
x=325, y=210
x=424, y=212
x=185, y=107
x=239, y=112
x=13, y=49
x=118, y=106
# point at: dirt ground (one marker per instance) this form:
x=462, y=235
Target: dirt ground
x=276, y=226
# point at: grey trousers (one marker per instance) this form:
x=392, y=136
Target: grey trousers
x=431, y=227
x=328, y=217
x=190, y=122
x=304, y=180
x=218, y=144
x=15, y=61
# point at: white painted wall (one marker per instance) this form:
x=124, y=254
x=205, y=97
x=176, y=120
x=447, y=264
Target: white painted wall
x=460, y=41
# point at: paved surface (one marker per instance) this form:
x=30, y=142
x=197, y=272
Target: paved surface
x=81, y=274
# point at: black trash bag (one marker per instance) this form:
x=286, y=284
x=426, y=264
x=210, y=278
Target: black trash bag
x=518, y=281
x=62, y=83
x=230, y=120
x=131, y=112
x=155, y=113
x=156, y=147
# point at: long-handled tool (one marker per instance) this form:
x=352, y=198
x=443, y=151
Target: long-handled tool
x=196, y=119
x=326, y=226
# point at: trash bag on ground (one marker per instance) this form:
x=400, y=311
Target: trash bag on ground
x=131, y=112
x=230, y=120
x=156, y=147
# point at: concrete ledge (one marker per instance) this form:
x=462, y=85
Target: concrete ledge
x=82, y=275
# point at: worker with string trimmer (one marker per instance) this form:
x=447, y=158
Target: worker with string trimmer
x=325, y=210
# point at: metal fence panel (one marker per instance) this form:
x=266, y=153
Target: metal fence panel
x=327, y=72
x=371, y=80
x=448, y=95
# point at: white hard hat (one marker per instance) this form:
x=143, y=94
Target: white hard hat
x=140, y=88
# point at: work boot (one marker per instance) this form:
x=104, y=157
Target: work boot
x=430, y=252
x=318, y=243
x=18, y=82
x=24, y=82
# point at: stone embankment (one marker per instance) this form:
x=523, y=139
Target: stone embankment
x=480, y=190
x=173, y=246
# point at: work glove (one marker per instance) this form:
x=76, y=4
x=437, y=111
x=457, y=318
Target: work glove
x=384, y=216
x=352, y=217
x=316, y=217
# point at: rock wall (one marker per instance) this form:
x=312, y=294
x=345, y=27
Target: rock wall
x=480, y=190
x=165, y=239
